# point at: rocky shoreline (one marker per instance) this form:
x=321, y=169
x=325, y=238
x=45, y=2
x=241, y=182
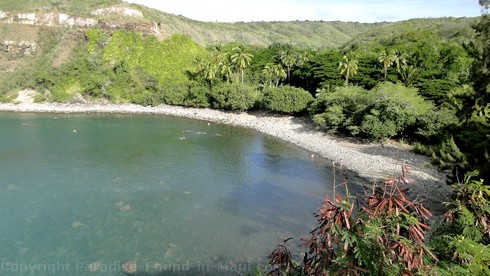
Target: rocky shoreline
x=372, y=161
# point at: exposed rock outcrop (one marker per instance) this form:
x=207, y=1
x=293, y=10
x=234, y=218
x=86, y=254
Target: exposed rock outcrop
x=53, y=19
x=152, y=28
x=20, y=48
x=124, y=11
x=47, y=19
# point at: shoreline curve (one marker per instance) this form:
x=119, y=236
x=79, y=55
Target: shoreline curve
x=371, y=161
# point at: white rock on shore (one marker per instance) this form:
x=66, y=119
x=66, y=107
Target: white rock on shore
x=369, y=161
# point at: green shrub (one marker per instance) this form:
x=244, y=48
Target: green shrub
x=393, y=109
x=197, y=96
x=144, y=98
x=435, y=124
x=233, y=96
x=462, y=241
x=190, y=94
x=339, y=110
x=4, y=99
x=287, y=99
x=386, y=111
x=168, y=61
x=377, y=125
x=333, y=116
x=174, y=94
x=39, y=98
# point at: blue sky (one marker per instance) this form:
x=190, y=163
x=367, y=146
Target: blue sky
x=327, y=10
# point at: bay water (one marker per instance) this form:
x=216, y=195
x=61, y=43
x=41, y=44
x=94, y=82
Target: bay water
x=89, y=194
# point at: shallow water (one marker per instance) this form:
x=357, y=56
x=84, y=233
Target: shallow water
x=84, y=194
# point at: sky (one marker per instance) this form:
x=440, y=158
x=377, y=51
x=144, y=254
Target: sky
x=365, y=11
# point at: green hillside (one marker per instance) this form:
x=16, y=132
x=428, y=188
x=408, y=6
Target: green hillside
x=301, y=33
x=305, y=34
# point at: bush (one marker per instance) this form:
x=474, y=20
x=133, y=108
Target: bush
x=393, y=109
x=197, y=96
x=144, y=98
x=384, y=236
x=233, y=96
x=287, y=99
x=463, y=239
x=186, y=94
x=341, y=109
x=386, y=111
x=174, y=94
x=435, y=124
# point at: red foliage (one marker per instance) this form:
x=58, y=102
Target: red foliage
x=404, y=245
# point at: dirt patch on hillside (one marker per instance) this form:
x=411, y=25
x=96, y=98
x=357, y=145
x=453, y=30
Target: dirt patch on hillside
x=25, y=96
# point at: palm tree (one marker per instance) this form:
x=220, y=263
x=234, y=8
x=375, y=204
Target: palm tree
x=387, y=60
x=399, y=59
x=241, y=59
x=288, y=59
x=301, y=59
x=268, y=73
x=348, y=67
x=279, y=73
x=206, y=70
x=408, y=74
x=219, y=56
x=226, y=70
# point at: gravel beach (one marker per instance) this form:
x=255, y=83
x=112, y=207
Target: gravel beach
x=371, y=161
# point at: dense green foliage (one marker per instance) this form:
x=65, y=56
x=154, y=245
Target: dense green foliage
x=286, y=99
x=386, y=111
x=167, y=61
x=463, y=240
x=233, y=96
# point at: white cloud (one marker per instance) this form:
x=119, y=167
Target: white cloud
x=327, y=10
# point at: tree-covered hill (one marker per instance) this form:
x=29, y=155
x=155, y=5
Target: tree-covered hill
x=305, y=34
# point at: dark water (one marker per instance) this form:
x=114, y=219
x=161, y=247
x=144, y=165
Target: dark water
x=83, y=194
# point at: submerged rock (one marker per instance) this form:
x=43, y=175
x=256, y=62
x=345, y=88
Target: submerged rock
x=122, y=207
x=76, y=224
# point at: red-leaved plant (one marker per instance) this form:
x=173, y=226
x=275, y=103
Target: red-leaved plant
x=384, y=235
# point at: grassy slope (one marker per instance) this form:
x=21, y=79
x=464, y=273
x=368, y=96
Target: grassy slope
x=301, y=33
x=447, y=29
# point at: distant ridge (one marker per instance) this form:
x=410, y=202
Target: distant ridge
x=306, y=34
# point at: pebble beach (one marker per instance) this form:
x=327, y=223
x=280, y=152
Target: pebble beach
x=372, y=162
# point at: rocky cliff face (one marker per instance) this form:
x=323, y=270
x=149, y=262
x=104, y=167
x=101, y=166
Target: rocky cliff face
x=54, y=19
x=47, y=19
x=25, y=47
x=18, y=49
x=124, y=11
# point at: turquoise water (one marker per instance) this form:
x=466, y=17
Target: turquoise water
x=84, y=194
